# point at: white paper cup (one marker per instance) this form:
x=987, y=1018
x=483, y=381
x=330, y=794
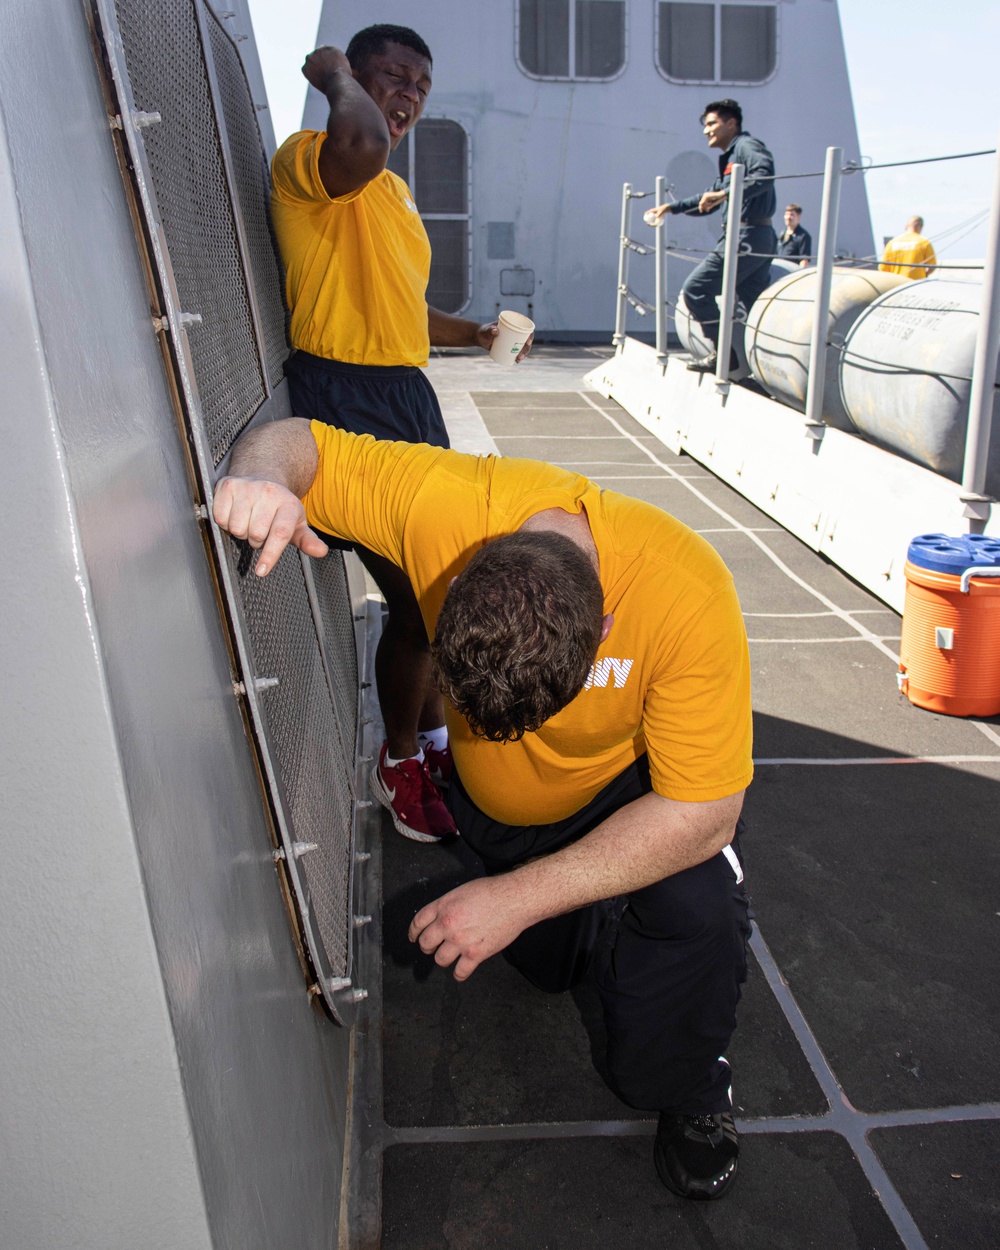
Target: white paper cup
x=515, y=331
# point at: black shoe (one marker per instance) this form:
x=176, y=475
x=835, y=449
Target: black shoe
x=696, y=1155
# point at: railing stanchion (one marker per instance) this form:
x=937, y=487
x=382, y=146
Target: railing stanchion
x=620, y=310
x=824, y=281
x=984, y=370
x=731, y=259
x=661, y=292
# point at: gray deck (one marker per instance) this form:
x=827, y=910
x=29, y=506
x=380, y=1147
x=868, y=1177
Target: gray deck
x=866, y=1069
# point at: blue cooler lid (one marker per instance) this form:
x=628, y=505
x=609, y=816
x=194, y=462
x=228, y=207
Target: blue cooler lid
x=944, y=554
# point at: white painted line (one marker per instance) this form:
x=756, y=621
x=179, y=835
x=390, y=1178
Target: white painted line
x=851, y=762
x=790, y=616
x=562, y=438
x=843, y=1117
x=752, y=536
x=844, y=638
x=988, y=731
x=587, y=464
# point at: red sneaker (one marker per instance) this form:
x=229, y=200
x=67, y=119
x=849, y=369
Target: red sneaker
x=439, y=765
x=412, y=800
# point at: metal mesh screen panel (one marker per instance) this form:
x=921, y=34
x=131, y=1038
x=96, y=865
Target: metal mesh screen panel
x=208, y=179
x=337, y=616
x=253, y=189
x=167, y=72
x=315, y=776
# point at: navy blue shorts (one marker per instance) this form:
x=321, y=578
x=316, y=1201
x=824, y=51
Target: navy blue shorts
x=393, y=402
x=388, y=401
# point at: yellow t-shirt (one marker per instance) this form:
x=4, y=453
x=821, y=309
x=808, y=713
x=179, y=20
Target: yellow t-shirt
x=356, y=267
x=904, y=255
x=672, y=679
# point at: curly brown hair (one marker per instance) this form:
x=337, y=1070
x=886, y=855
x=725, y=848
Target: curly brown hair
x=518, y=632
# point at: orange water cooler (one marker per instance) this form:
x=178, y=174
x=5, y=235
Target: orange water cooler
x=950, y=652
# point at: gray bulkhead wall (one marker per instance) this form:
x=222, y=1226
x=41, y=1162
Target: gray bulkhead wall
x=165, y=1081
x=551, y=157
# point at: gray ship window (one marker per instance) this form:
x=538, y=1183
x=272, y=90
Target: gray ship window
x=433, y=160
x=717, y=43
x=571, y=39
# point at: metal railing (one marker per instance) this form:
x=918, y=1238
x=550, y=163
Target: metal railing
x=977, y=504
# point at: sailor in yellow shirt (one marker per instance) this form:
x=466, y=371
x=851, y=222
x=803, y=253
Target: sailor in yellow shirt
x=357, y=261
x=909, y=253
x=593, y=655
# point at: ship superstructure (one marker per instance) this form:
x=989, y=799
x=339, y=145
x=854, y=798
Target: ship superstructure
x=541, y=109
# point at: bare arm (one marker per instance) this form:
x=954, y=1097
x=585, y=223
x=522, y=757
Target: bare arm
x=271, y=468
x=645, y=841
x=357, y=138
x=447, y=330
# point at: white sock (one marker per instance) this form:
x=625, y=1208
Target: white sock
x=391, y=763
x=436, y=738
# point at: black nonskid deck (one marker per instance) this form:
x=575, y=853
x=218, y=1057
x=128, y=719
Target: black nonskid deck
x=866, y=1071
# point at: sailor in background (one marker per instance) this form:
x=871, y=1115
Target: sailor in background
x=357, y=260
x=909, y=253
x=722, y=121
x=795, y=243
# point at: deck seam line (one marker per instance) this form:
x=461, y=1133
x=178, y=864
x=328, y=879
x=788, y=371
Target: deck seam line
x=787, y=616
x=545, y=1130
x=988, y=730
x=840, y=638
x=835, y=761
x=771, y=555
x=842, y=1115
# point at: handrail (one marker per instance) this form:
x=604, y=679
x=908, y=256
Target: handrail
x=992, y=570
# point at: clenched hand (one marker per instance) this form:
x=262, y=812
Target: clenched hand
x=466, y=926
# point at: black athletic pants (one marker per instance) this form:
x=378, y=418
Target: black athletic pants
x=753, y=275
x=669, y=959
